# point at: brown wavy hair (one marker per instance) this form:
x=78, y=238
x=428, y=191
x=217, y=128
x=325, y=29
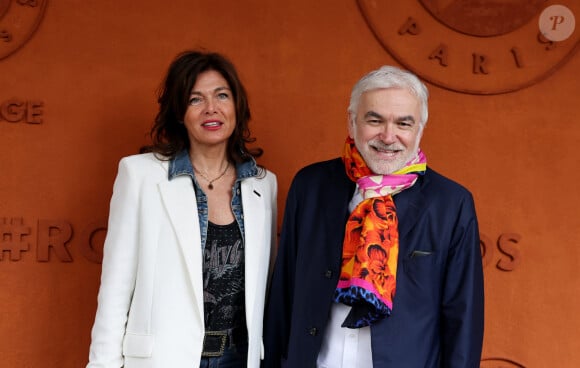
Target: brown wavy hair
x=168, y=133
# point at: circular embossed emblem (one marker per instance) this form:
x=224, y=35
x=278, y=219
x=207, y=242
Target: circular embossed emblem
x=472, y=46
x=19, y=19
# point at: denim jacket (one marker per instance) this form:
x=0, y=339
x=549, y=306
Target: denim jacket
x=181, y=165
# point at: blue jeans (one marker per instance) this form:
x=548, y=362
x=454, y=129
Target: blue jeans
x=235, y=356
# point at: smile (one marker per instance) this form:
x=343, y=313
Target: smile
x=211, y=124
x=386, y=151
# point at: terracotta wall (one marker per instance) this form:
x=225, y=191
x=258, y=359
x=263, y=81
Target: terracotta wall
x=79, y=93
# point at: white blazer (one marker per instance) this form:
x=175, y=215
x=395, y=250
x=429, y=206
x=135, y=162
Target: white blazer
x=150, y=303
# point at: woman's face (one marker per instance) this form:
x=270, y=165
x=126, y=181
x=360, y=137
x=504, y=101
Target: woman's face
x=210, y=118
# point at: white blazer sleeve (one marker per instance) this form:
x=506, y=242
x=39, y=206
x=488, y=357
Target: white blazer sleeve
x=119, y=267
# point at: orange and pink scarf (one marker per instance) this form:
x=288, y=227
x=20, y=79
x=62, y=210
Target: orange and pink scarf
x=371, y=241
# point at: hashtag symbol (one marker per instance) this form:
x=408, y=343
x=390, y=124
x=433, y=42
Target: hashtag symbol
x=11, y=238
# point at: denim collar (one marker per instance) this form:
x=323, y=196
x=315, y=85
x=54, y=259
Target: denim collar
x=181, y=165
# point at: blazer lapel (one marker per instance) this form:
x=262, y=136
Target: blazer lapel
x=255, y=243
x=410, y=204
x=179, y=199
x=337, y=196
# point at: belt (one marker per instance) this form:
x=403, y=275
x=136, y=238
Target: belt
x=215, y=342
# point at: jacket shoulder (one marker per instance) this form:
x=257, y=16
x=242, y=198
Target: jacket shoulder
x=330, y=169
x=443, y=184
x=143, y=161
x=142, y=168
x=328, y=165
x=269, y=176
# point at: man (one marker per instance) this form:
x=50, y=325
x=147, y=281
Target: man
x=379, y=262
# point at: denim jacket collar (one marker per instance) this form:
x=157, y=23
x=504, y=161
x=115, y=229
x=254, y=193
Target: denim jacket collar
x=181, y=165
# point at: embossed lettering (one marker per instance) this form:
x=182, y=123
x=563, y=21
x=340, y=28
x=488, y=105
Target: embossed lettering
x=12, y=238
x=441, y=54
x=543, y=40
x=479, y=64
x=53, y=234
x=15, y=111
x=517, y=57
x=5, y=35
x=486, y=249
x=411, y=27
x=506, y=245
x=91, y=251
x=12, y=111
x=34, y=112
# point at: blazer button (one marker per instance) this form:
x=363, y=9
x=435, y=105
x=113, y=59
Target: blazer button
x=313, y=331
x=328, y=274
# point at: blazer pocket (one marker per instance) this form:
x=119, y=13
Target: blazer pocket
x=420, y=253
x=138, y=346
x=422, y=275
x=421, y=266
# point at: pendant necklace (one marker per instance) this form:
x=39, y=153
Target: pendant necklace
x=210, y=182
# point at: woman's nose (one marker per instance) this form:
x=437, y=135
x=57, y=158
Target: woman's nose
x=210, y=106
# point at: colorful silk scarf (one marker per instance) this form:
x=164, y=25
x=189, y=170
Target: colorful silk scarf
x=371, y=241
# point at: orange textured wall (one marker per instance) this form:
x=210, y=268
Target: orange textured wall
x=81, y=94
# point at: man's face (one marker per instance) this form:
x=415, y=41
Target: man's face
x=386, y=130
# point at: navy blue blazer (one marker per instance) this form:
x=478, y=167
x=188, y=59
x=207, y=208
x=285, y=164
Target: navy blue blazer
x=437, y=317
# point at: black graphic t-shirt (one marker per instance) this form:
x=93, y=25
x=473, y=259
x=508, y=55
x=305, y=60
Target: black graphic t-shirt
x=223, y=277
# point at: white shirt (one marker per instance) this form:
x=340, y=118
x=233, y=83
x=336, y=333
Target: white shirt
x=345, y=347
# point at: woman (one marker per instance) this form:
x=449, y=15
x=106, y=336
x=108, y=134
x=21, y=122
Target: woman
x=191, y=232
